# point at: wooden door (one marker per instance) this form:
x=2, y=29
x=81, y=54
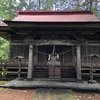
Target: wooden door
x=54, y=72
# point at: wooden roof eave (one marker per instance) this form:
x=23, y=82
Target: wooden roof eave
x=5, y=32
x=18, y=25
x=35, y=24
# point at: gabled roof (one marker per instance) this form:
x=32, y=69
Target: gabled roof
x=56, y=16
x=26, y=22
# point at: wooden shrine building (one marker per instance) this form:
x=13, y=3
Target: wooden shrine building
x=54, y=44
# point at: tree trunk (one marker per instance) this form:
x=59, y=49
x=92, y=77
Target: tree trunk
x=90, y=5
x=39, y=4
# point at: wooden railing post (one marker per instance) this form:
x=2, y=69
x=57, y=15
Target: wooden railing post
x=19, y=58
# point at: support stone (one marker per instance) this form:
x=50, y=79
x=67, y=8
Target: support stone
x=30, y=64
x=78, y=63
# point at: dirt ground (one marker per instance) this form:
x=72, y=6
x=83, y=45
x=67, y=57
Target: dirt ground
x=16, y=94
x=28, y=94
x=88, y=96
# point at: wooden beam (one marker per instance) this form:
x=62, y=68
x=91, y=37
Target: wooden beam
x=78, y=63
x=19, y=43
x=30, y=64
x=56, y=42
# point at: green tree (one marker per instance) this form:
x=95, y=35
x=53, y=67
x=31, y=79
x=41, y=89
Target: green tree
x=4, y=49
x=7, y=9
x=26, y=5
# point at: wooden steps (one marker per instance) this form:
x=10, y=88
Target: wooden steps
x=68, y=73
x=41, y=72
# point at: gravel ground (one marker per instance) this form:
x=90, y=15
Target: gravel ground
x=53, y=84
x=47, y=93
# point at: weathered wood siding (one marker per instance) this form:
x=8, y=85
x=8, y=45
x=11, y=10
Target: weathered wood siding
x=42, y=57
x=22, y=50
x=66, y=59
x=86, y=50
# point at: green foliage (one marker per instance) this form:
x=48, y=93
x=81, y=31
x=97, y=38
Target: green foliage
x=4, y=49
x=1, y=83
x=26, y=5
x=7, y=9
x=48, y=5
x=3, y=73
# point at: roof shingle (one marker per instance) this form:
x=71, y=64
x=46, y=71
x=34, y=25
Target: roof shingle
x=56, y=16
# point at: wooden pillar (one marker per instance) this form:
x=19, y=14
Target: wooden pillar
x=30, y=62
x=36, y=54
x=91, y=69
x=87, y=61
x=78, y=63
x=63, y=56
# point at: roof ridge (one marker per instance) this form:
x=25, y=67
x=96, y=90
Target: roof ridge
x=44, y=12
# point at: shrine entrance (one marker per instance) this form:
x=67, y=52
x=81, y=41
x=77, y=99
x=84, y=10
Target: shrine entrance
x=54, y=64
x=59, y=61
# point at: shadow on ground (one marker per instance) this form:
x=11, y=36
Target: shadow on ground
x=54, y=94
